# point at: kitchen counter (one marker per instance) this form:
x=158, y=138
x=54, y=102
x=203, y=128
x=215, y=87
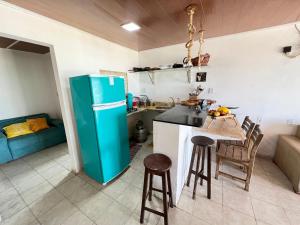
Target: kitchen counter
x=172, y=133
x=182, y=115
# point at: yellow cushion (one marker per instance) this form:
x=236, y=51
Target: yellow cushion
x=17, y=129
x=37, y=124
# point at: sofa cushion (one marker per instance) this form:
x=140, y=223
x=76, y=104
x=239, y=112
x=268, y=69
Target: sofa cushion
x=287, y=157
x=24, y=145
x=17, y=129
x=22, y=119
x=51, y=136
x=37, y=124
x=292, y=141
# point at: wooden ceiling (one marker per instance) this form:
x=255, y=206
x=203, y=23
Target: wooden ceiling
x=22, y=46
x=163, y=22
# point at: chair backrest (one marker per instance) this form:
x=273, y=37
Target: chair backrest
x=248, y=127
x=254, y=141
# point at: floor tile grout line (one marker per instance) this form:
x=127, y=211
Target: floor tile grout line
x=64, y=197
x=74, y=204
x=26, y=206
x=20, y=194
x=133, y=212
x=77, y=207
x=263, y=200
x=284, y=210
x=255, y=217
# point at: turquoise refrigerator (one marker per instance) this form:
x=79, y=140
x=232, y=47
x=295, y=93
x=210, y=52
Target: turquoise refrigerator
x=99, y=105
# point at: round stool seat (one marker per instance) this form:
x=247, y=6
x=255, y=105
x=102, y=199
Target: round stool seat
x=202, y=141
x=158, y=162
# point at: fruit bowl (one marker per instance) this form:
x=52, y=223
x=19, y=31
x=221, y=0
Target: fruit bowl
x=219, y=112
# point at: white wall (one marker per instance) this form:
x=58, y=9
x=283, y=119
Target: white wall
x=76, y=52
x=246, y=70
x=27, y=85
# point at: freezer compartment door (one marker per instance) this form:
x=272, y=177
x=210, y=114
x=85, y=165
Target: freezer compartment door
x=112, y=132
x=107, y=89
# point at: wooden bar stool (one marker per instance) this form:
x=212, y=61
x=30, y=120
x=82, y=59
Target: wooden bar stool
x=202, y=144
x=159, y=165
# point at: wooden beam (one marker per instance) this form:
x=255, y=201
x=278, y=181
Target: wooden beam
x=12, y=44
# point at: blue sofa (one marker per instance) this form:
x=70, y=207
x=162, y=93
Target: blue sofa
x=17, y=147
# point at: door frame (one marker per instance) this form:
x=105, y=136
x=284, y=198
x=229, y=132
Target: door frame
x=72, y=145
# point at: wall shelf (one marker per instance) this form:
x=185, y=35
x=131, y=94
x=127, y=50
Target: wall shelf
x=151, y=73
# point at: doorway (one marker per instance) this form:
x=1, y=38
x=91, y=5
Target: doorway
x=36, y=161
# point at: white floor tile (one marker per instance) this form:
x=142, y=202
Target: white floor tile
x=233, y=217
x=69, y=199
x=131, y=197
x=78, y=219
x=87, y=191
x=46, y=202
x=176, y=217
x=240, y=201
x=5, y=184
x=14, y=168
x=269, y=213
x=58, y=214
x=23, y=217
x=71, y=186
x=115, y=189
x=293, y=216
x=115, y=214
x=2, y=175
x=11, y=206
x=96, y=206
x=54, y=171
x=208, y=211
x=36, y=192
x=60, y=178
x=29, y=182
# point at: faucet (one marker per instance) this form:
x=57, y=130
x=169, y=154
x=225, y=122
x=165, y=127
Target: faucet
x=173, y=101
x=147, y=100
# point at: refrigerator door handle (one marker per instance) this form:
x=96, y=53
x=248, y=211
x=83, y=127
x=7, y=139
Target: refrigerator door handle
x=97, y=107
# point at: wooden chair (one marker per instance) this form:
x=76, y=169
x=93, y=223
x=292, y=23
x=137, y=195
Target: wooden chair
x=240, y=155
x=247, y=126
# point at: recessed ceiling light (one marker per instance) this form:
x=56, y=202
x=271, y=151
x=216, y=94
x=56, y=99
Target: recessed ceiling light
x=131, y=26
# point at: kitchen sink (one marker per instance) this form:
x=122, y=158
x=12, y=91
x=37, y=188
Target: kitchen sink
x=162, y=105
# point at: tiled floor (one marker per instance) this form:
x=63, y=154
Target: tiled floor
x=40, y=189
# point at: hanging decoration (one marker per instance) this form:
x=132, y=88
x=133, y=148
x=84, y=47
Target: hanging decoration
x=191, y=10
x=201, y=59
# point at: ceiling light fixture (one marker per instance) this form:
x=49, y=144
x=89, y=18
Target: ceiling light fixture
x=131, y=26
